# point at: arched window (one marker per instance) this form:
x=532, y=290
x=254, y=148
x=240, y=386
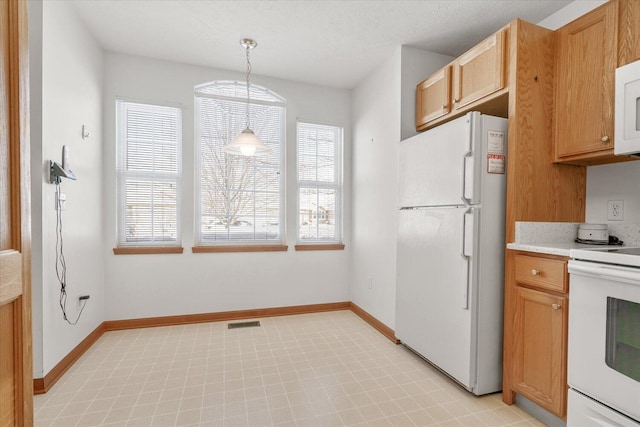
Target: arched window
x=239, y=200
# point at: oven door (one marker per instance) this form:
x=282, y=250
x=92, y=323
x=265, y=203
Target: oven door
x=604, y=334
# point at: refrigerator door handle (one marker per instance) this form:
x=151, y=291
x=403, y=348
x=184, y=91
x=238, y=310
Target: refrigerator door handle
x=467, y=178
x=467, y=251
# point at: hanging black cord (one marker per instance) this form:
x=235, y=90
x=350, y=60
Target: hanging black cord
x=61, y=264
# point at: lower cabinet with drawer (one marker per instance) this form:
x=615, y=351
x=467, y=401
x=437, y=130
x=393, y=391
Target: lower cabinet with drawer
x=536, y=321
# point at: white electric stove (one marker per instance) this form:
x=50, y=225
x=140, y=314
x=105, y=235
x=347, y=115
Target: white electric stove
x=604, y=337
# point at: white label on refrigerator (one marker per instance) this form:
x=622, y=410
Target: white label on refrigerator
x=495, y=142
x=495, y=163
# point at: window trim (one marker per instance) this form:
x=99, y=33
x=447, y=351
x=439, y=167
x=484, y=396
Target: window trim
x=141, y=247
x=338, y=185
x=142, y=250
x=320, y=247
x=239, y=248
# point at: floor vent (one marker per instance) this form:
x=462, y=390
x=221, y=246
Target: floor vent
x=244, y=324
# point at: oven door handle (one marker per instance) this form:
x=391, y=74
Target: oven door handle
x=605, y=271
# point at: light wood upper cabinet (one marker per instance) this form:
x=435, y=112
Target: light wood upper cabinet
x=477, y=81
x=540, y=348
x=589, y=50
x=585, y=78
x=480, y=71
x=433, y=96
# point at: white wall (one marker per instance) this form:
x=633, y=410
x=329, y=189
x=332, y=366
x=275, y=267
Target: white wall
x=376, y=134
x=617, y=181
x=35, y=112
x=570, y=12
x=66, y=91
x=383, y=111
x=162, y=285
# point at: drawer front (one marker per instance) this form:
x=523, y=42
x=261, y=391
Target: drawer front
x=542, y=273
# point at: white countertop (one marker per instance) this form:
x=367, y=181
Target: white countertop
x=561, y=249
x=558, y=238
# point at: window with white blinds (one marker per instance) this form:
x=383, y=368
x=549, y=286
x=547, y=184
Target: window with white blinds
x=149, y=139
x=239, y=200
x=319, y=183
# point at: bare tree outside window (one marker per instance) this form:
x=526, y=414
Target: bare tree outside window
x=239, y=197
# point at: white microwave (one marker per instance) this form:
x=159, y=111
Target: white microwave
x=627, y=110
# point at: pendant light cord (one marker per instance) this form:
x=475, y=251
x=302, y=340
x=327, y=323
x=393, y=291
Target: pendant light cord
x=248, y=84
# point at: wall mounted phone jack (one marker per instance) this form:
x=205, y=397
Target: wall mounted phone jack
x=58, y=171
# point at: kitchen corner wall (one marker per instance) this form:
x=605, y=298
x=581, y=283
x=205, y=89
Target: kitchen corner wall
x=383, y=114
x=66, y=92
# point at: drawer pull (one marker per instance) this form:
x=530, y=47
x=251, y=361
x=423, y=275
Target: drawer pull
x=605, y=138
x=535, y=272
x=556, y=306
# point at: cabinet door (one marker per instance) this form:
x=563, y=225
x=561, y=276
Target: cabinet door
x=540, y=348
x=585, y=77
x=480, y=71
x=432, y=97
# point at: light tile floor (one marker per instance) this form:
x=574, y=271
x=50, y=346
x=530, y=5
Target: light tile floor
x=324, y=369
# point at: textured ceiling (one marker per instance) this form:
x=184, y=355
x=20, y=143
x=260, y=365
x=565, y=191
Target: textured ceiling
x=331, y=43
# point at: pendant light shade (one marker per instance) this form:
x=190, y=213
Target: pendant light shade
x=247, y=143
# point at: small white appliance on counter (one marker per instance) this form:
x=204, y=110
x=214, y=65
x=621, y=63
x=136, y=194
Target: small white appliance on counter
x=593, y=233
x=627, y=109
x=604, y=338
x=450, y=265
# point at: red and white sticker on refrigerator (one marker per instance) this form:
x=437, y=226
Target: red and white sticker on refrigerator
x=496, y=158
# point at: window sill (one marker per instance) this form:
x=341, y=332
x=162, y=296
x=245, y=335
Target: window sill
x=321, y=247
x=141, y=250
x=239, y=248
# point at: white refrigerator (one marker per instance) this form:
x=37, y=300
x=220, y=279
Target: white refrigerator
x=450, y=265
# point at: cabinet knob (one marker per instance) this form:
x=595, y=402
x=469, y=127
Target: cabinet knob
x=556, y=306
x=605, y=138
x=535, y=272
x=444, y=106
x=456, y=100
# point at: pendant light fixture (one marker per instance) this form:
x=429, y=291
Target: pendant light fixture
x=247, y=143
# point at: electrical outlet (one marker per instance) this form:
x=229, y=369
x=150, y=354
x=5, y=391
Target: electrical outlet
x=370, y=282
x=82, y=299
x=615, y=210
